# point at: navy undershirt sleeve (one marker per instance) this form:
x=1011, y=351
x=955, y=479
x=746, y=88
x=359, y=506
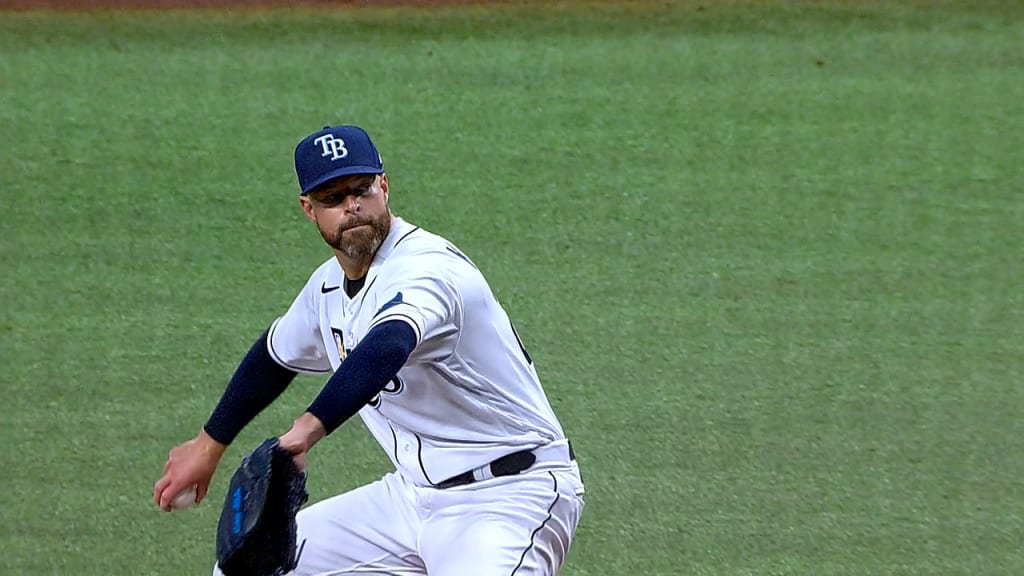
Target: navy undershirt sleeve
x=257, y=381
x=364, y=373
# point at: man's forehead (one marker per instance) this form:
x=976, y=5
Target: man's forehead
x=344, y=183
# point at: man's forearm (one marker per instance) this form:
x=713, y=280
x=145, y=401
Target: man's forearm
x=364, y=373
x=256, y=383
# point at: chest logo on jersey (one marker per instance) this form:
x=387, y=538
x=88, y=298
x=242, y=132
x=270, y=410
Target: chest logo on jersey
x=339, y=341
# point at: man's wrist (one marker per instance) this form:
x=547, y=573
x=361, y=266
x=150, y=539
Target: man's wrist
x=210, y=445
x=306, y=431
x=312, y=428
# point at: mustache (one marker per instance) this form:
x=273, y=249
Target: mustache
x=356, y=224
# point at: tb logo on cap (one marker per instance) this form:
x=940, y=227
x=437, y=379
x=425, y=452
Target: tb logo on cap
x=333, y=147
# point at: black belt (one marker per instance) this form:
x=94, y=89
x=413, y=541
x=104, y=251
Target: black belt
x=507, y=465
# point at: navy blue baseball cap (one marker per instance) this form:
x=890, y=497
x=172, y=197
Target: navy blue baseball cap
x=334, y=152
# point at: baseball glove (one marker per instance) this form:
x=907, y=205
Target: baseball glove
x=256, y=533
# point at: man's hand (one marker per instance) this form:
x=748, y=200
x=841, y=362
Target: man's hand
x=306, y=431
x=191, y=463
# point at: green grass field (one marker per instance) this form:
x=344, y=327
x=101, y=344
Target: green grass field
x=769, y=261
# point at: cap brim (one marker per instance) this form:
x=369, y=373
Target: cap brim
x=346, y=171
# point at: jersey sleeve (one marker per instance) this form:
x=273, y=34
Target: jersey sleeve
x=424, y=295
x=295, y=340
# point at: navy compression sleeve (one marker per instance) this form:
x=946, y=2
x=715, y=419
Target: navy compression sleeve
x=364, y=373
x=257, y=381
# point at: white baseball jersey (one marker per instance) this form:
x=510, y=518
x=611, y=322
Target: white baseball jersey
x=468, y=393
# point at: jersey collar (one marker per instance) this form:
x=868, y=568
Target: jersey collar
x=399, y=228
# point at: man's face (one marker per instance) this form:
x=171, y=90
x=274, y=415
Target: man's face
x=351, y=213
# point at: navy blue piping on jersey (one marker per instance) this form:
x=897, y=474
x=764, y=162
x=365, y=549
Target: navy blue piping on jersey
x=419, y=456
x=461, y=256
x=404, y=236
x=394, y=438
x=365, y=372
x=367, y=291
x=257, y=382
x=542, y=524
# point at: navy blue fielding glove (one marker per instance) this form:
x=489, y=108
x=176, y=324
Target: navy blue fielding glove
x=257, y=531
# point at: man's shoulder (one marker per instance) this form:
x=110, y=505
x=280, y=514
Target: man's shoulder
x=420, y=253
x=415, y=240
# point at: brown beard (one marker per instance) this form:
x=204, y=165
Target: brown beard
x=361, y=243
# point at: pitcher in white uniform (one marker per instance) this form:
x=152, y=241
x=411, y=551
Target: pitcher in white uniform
x=485, y=481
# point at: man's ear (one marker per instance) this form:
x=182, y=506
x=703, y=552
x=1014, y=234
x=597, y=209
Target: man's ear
x=307, y=208
x=384, y=187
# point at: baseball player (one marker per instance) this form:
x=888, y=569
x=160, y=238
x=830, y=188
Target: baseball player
x=485, y=481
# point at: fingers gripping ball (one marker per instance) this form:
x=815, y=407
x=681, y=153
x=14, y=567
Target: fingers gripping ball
x=185, y=499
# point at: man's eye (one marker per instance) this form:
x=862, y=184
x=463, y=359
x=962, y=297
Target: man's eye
x=363, y=190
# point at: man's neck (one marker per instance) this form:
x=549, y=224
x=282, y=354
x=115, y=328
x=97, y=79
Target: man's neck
x=354, y=269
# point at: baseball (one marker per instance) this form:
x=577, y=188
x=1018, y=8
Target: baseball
x=185, y=498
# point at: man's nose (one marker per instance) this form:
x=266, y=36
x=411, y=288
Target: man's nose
x=352, y=204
